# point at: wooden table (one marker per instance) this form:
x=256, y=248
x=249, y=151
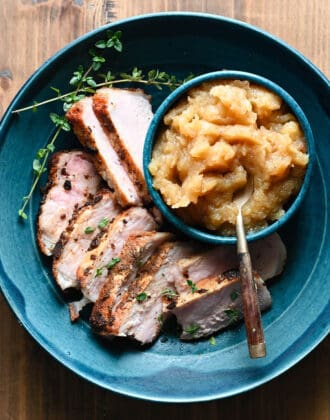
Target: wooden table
x=32, y=385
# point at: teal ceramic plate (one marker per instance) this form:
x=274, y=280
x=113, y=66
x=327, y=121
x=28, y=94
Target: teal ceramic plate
x=170, y=370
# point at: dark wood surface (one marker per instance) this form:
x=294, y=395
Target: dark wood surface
x=33, y=386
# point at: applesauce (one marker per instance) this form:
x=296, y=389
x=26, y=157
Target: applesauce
x=220, y=134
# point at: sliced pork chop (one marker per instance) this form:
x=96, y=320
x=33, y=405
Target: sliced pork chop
x=136, y=252
x=92, y=272
x=126, y=115
x=268, y=256
x=216, y=304
x=72, y=181
x=90, y=133
x=139, y=313
x=87, y=223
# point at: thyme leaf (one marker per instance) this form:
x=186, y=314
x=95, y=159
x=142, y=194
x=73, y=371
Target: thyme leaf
x=233, y=315
x=141, y=297
x=83, y=82
x=38, y=169
x=103, y=223
x=112, y=263
x=89, y=230
x=169, y=293
x=192, y=329
x=193, y=286
x=213, y=341
x=234, y=295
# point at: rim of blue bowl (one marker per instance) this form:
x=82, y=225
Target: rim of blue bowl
x=175, y=96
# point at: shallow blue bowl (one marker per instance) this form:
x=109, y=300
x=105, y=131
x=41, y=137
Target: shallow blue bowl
x=157, y=124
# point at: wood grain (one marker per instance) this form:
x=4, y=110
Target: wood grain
x=33, y=386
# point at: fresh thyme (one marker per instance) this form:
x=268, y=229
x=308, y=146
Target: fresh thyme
x=213, y=341
x=141, y=297
x=156, y=78
x=112, y=263
x=193, y=286
x=233, y=315
x=169, y=293
x=192, y=329
x=234, y=295
x=89, y=230
x=139, y=263
x=39, y=167
x=103, y=223
x=99, y=272
x=109, y=266
x=84, y=82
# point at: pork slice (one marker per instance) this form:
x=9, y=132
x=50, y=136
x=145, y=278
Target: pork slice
x=76, y=307
x=136, y=252
x=72, y=181
x=91, y=134
x=216, y=305
x=141, y=319
x=92, y=271
x=268, y=256
x=84, y=227
x=126, y=115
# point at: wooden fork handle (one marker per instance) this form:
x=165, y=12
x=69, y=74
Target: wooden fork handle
x=252, y=317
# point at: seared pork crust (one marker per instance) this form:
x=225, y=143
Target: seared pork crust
x=72, y=181
x=90, y=133
x=136, y=252
x=91, y=272
x=140, y=310
x=83, y=230
x=104, y=104
x=216, y=304
x=128, y=299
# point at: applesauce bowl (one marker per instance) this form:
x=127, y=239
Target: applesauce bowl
x=157, y=125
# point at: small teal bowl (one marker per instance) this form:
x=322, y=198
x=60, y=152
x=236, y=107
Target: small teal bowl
x=157, y=121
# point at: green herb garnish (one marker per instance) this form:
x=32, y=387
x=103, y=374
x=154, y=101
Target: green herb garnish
x=39, y=167
x=169, y=293
x=234, y=295
x=89, y=230
x=141, y=297
x=139, y=263
x=85, y=81
x=112, y=263
x=213, y=341
x=193, y=286
x=99, y=271
x=233, y=315
x=103, y=223
x=192, y=329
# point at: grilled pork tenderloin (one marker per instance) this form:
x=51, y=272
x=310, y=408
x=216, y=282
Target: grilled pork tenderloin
x=72, y=181
x=171, y=274
x=214, y=304
x=84, y=227
x=268, y=256
x=135, y=253
x=126, y=114
x=140, y=312
x=92, y=272
x=90, y=133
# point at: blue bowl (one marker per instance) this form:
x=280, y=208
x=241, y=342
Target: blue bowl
x=156, y=124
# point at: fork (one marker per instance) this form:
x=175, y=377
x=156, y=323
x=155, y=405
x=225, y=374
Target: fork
x=252, y=317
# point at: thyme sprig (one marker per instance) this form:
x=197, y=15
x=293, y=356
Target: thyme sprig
x=39, y=167
x=155, y=78
x=84, y=82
